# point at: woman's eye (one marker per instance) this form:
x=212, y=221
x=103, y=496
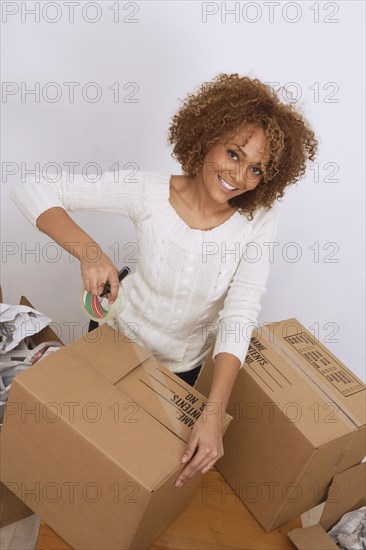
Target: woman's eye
x=230, y=151
x=258, y=172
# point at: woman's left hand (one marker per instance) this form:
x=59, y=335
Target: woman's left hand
x=207, y=435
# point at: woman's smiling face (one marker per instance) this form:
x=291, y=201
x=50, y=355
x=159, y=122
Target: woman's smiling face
x=232, y=167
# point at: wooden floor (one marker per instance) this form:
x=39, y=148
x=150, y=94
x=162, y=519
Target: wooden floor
x=216, y=525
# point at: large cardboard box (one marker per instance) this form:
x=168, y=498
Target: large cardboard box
x=11, y=507
x=346, y=493
x=298, y=419
x=94, y=435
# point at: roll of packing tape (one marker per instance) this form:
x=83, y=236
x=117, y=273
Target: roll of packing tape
x=98, y=309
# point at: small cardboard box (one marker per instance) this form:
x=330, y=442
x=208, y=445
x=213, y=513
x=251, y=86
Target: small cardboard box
x=11, y=507
x=94, y=436
x=346, y=493
x=298, y=419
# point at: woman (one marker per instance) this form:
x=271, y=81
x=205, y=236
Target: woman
x=203, y=236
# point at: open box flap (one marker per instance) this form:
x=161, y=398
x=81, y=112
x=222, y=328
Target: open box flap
x=104, y=360
x=312, y=538
x=347, y=492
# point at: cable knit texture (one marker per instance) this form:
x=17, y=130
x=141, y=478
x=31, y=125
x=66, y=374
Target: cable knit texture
x=192, y=289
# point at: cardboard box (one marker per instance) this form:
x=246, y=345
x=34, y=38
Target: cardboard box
x=11, y=507
x=346, y=493
x=94, y=439
x=298, y=419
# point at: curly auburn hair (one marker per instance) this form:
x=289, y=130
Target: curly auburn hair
x=222, y=108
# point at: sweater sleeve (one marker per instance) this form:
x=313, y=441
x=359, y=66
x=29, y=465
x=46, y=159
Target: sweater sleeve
x=242, y=304
x=116, y=192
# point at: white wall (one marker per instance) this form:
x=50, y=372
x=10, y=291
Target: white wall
x=171, y=48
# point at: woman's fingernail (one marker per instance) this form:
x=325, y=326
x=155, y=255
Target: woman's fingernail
x=184, y=458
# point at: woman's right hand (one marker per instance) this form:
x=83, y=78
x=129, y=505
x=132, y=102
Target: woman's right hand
x=96, y=273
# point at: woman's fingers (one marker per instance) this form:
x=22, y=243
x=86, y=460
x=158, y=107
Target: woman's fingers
x=95, y=277
x=97, y=283
x=114, y=286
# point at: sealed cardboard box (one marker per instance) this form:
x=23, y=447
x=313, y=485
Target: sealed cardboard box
x=11, y=507
x=94, y=435
x=298, y=419
x=346, y=493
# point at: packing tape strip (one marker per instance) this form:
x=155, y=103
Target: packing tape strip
x=98, y=309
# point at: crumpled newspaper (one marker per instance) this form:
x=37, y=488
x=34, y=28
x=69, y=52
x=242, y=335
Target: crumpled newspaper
x=17, y=322
x=17, y=349
x=350, y=532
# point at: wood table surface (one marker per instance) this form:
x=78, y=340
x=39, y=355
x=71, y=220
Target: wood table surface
x=222, y=522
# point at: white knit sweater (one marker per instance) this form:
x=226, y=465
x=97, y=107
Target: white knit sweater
x=192, y=289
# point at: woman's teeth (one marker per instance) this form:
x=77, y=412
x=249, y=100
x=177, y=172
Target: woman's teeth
x=226, y=185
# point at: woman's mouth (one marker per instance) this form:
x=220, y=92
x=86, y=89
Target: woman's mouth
x=226, y=187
